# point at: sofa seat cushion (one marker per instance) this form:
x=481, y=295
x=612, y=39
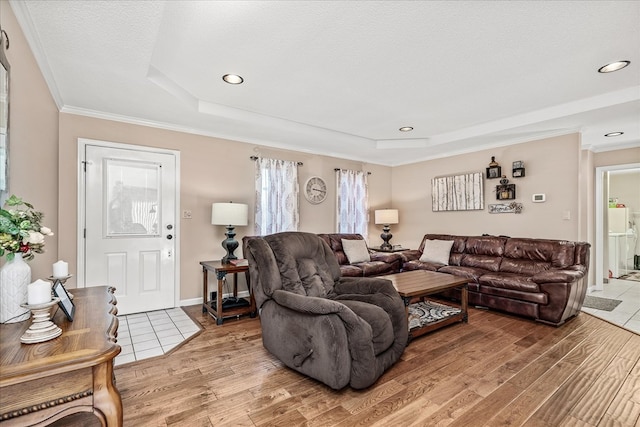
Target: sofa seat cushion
x=374, y=268
x=473, y=273
x=351, y=271
x=378, y=319
x=517, y=282
x=512, y=294
x=420, y=265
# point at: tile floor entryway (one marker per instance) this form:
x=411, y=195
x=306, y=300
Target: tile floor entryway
x=144, y=335
x=627, y=313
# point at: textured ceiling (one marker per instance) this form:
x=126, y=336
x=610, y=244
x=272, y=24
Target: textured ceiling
x=340, y=78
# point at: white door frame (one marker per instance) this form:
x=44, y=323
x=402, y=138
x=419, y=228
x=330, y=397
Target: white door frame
x=82, y=144
x=600, y=233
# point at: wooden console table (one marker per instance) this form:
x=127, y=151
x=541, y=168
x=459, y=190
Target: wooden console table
x=41, y=383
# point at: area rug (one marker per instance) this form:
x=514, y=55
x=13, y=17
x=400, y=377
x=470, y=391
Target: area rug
x=635, y=276
x=425, y=312
x=598, y=303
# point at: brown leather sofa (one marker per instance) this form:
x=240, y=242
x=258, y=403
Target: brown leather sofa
x=542, y=279
x=381, y=262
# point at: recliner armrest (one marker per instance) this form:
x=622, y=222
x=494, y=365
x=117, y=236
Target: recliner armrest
x=365, y=286
x=306, y=304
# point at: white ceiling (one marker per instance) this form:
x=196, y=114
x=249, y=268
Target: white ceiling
x=340, y=77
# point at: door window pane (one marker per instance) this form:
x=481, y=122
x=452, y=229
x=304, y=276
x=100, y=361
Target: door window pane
x=132, y=198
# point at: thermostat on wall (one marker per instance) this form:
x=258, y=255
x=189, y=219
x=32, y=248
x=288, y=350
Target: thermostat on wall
x=538, y=198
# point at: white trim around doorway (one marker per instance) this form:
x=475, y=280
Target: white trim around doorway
x=82, y=144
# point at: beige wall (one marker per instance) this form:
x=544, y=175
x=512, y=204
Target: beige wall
x=44, y=168
x=552, y=167
x=33, y=139
x=212, y=170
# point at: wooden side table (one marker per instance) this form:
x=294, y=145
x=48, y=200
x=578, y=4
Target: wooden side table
x=41, y=383
x=219, y=312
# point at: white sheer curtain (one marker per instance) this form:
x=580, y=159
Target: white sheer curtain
x=352, y=202
x=276, y=196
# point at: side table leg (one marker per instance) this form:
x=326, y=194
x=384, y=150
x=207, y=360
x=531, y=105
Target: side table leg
x=221, y=276
x=205, y=279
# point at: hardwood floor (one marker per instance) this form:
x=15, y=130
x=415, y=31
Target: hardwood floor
x=497, y=370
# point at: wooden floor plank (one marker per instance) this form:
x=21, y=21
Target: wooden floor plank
x=496, y=370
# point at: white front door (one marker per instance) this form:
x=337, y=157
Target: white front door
x=130, y=225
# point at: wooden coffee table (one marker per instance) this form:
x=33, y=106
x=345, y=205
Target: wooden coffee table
x=414, y=286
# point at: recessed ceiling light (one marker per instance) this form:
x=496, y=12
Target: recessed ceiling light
x=406, y=129
x=232, y=79
x=614, y=134
x=614, y=66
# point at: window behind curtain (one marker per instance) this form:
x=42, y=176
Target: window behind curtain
x=352, y=202
x=276, y=196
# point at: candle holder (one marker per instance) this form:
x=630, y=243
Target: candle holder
x=42, y=328
x=62, y=280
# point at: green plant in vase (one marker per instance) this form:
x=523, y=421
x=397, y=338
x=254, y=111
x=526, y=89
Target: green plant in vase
x=21, y=231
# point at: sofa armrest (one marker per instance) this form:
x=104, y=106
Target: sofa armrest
x=387, y=257
x=410, y=255
x=566, y=275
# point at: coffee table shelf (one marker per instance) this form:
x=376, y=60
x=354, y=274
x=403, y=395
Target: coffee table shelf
x=415, y=286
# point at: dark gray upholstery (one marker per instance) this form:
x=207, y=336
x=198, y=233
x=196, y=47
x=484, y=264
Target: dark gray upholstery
x=341, y=331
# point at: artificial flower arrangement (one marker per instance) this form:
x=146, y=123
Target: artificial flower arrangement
x=20, y=230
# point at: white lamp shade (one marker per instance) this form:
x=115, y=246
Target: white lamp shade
x=229, y=214
x=386, y=216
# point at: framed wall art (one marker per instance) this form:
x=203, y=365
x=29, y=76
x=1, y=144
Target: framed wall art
x=463, y=192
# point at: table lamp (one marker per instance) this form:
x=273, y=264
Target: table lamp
x=229, y=214
x=386, y=217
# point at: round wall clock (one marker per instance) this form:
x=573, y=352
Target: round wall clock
x=315, y=190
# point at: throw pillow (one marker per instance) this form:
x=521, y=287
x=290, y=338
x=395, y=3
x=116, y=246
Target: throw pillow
x=355, y=250
x=437, y=251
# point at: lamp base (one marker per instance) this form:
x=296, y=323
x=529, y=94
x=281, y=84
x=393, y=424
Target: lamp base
x=386, y=236
x=229, y=244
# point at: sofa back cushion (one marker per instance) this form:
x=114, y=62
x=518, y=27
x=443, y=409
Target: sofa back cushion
x=484, y=252
x=531, y=256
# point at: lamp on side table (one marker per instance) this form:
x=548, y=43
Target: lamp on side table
x=229, y=214
x=386, y=217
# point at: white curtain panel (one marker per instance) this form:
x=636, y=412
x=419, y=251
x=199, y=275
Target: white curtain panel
x=277, y=191
x=352, y=202
x=457, y=193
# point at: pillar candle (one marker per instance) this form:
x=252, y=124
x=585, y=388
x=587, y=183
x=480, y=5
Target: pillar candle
x=60, y=269
x=38, y=292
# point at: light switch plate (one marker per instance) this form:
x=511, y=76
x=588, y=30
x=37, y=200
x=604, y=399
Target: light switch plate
x=538, y=198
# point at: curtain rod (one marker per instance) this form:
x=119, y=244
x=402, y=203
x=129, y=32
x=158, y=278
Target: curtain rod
x=254, y=158
x=338, y=169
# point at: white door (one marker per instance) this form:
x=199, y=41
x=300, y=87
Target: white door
x=130, y=229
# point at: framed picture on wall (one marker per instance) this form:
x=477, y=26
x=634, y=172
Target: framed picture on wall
x=494, y=172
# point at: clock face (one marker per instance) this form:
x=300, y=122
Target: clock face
x=315, y=190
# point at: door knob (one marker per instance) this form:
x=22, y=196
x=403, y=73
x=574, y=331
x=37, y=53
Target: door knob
x=169, y=227
x=169, y=236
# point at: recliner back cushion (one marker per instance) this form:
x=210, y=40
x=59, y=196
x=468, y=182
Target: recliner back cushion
x=483, y=252
x=306, y=264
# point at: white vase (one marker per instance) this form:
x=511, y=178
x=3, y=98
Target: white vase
x=15, y=277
